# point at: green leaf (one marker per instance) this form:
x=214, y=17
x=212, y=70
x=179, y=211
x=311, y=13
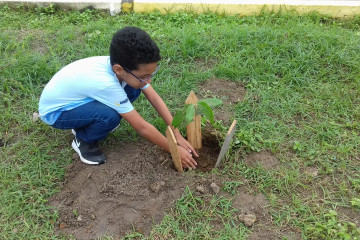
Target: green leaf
x=178, y=118
x=206, y=111
x=180, y=115
x=211, y=102
x=190, y=113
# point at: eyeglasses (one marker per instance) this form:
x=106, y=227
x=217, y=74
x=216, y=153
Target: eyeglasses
x=146, y=79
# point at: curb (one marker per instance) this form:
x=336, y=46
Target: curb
x=337, y=8
x=341, y=9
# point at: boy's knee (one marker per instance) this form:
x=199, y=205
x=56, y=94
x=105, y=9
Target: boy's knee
x=106, y=115
x=112, y=118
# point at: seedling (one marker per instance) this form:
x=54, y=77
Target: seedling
x=191, y=114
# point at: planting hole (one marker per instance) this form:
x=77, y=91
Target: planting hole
x=208, y=154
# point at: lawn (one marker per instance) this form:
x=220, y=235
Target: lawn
x=302, y=107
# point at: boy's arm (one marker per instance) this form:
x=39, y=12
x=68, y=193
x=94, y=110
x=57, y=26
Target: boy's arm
x=160, y=106
x=149, y=132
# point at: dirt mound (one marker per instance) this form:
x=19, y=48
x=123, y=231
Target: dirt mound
x=263, y=159
x=229, y=92
x=131, y=191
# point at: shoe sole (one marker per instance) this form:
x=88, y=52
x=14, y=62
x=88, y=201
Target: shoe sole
x=81, y=158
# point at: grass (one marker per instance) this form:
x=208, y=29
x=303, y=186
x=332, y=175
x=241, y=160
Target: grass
x=194, y=217
x=302, y=75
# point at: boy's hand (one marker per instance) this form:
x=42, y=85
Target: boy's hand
x=184, y=143
x=186, y=158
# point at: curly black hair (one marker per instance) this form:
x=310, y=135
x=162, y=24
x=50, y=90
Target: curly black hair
x=131, y=46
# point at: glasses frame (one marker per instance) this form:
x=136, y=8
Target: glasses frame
x=146, y=79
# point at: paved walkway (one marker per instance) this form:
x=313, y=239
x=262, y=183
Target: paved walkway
x=336, y=8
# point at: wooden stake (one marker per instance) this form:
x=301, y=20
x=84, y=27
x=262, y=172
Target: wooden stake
x=194, y=128
x=226, y=145
x=175, y=155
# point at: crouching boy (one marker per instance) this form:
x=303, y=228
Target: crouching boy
x=91, y=96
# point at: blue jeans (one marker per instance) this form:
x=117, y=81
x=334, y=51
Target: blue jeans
x=93, y=121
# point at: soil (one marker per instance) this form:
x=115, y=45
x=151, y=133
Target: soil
x=262, y=159
x=229, y=92
x=208, y=153
x=131, y=191
x=349, y=215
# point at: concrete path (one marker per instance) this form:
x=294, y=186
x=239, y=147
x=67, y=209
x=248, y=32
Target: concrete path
x=335, y=8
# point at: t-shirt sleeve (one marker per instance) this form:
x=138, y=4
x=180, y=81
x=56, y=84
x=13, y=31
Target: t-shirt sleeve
x=115, y=97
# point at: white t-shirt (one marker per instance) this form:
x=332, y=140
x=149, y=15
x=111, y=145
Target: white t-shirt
x=81, y=82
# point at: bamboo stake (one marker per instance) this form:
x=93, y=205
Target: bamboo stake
x=226, y=144
x=175, y=155
x=194, y=128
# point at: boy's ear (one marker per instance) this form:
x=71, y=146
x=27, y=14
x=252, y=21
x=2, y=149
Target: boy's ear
x=118, y=70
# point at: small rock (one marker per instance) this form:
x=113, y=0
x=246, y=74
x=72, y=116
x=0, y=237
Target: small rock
x=200, y=189
x=156, y=186
x=215, y=188
x=15, y=230
x=89, y=175
x=79, y=218
x=312, y=171
x=35, y=116
x=247, y=219
x=93, y=217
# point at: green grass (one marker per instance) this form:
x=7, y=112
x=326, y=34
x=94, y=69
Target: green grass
x=302, y=75
x=193, y=217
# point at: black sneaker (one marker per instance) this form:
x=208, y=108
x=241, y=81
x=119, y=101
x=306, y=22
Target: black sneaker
x=89, y=153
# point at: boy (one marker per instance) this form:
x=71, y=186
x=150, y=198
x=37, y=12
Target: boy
x=92, y=95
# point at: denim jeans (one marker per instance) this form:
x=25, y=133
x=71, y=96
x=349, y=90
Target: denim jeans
x=93, y=121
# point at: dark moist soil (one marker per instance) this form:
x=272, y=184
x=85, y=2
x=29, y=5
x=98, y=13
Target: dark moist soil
x=208, y=154
x=138, y=184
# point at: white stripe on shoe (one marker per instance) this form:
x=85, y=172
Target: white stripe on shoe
x=75, y=147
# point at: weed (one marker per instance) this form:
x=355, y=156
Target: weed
x=75, y=213
x=332, y=228
x=355, y=202
x=50, y=10
x=248, y=139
